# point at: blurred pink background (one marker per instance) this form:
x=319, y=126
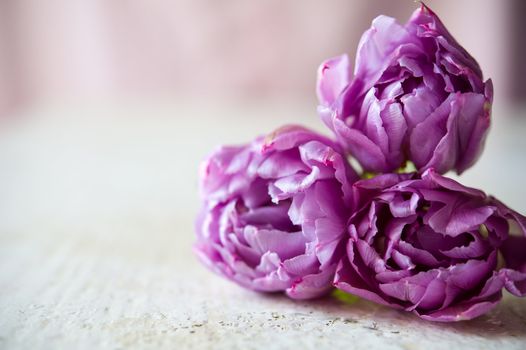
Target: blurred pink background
x=86, y=50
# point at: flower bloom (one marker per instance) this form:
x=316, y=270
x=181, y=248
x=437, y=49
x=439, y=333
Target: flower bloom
x=430, y=245
x=416, y=95
x=274, y=212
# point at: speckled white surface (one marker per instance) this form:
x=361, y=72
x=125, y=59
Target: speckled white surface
x=96, y=214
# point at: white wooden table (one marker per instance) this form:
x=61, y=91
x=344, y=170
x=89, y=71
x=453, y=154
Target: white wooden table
x=96, y=228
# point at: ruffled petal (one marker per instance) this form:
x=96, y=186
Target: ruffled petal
x=333, y=77
x=377, y=48
x=312, y=286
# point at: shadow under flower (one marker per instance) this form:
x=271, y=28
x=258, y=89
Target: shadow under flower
x=507, y=320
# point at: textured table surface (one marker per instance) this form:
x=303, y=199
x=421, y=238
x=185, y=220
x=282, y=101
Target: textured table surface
x=96, y=212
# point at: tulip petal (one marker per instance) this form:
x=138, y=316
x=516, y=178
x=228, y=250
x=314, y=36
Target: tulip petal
x=333, y=77
x=312, y=286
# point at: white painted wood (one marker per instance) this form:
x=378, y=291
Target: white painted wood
x=96, y=212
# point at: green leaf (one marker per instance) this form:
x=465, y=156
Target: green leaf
x=345, y=297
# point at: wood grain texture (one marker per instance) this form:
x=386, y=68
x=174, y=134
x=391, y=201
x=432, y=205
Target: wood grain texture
x=96, y=227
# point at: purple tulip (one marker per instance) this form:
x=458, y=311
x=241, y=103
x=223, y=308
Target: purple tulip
x=274, y=212
x=430, y=245
x=416, y=95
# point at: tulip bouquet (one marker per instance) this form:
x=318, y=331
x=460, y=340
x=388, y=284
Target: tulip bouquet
x=287, y=212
